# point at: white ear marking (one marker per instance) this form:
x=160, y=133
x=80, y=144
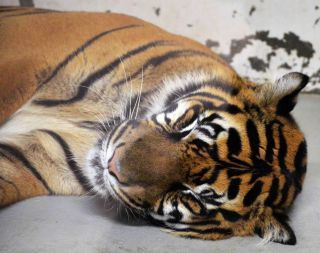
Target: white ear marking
x=291, y=82
x=288, y=86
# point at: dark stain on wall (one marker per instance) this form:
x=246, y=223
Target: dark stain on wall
x=26, y=3
x=252, y=10
x=258, y=64
x=157, y=11
x=234, y=13
x=316, y=21
x=315, y=77
x=290, y=42
x=284, y=66
x=237, y=46
x=212, y=43
x=270, y=55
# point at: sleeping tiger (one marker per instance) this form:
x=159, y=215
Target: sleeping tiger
x=107, y=104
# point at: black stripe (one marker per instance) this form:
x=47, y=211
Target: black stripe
x=214, y=153
x=194, y=200
x=299, y=158
x=223, y=231
x=260, y=169
x=92, y=78
x=273, y=192
x=270, y=143
x=172, y=107
x=283, y=149
x=229, y=108
x=120, y=132
x=204, y=94
x=131, y=200
x=116, y=177
x=160, y=208
x=239, y=163
x=217, y=128
x=10, y=10
x=201, y=173
x=230, y=215
x=199, y=223
x=233, y=172
x=197, y=177
x=282, y=153
x=234, y=188
x=94, y=125
x=204, y=131
x=73, y=165
x=212, y=201
x=188, y=88
x=157, y=123
x=214, y=176
x=252, y=195
x=215, y=83
x=199, y=143
x=6, y=156
x=299, y=163
x=284, y=193
x=253, y=109
x=178, y=136
x=234, y=142
x=158, y=60
x=12, y=184
x=195, y=113
x=30, y=13
x=80, y=49
x=223, y=86
x=19, y=156
x=208, y=120
x=253, y=137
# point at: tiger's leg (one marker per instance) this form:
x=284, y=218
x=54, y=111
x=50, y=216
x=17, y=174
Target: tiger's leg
x=19, y=179
x=38, y=163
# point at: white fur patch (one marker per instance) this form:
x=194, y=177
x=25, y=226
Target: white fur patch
x=172, y=85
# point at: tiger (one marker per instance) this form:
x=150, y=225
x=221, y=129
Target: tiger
x=106, y=104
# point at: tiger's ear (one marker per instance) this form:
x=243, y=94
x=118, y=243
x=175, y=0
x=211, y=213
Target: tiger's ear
x=275, y=229
x=283, y=93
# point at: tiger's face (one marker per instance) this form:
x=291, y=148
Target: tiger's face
x=215, y=161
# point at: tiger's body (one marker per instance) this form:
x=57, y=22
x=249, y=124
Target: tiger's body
x=109, y=104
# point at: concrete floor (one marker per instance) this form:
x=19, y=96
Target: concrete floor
x=82, y=224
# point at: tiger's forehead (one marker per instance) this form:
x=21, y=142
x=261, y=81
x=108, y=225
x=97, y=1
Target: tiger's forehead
x=176, y=87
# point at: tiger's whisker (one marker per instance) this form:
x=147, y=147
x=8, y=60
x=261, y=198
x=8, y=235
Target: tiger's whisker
x=139, y=98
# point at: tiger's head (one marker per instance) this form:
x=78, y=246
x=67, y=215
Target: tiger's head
x=210, y=159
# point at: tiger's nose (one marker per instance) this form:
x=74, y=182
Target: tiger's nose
x=114, y=166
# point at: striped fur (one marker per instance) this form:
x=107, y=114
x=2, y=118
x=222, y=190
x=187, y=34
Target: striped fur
x=108, y=104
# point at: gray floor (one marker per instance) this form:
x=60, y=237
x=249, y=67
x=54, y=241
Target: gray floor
x=71, y=224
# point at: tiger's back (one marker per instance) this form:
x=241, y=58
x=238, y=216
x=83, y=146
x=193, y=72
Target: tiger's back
x=87, y=96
